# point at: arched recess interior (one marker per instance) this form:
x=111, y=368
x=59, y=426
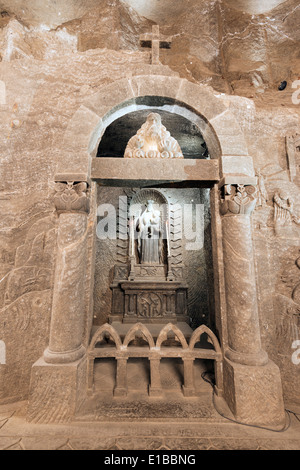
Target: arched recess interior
x=198, y=103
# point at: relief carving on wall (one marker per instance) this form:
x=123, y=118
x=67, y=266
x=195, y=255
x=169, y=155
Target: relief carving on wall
x=149, y=305
x=25, y=293
x=293, y=155
x=262, y=194
x=296, y=290
x=33, y=266
x=148, y=271
x=153, y=141
x=284, y=213
x=288, y=304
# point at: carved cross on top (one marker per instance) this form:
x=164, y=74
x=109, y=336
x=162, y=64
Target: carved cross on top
x=156, y=42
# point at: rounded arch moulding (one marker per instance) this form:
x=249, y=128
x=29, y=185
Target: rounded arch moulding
x=197, y=103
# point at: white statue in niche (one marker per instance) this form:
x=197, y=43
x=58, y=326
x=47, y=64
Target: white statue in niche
x=149, y=231
x=153, y=141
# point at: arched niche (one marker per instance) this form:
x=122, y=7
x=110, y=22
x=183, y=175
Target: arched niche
x=198, y=103
x=170, y=109
x=187, y=134
x=248, y=374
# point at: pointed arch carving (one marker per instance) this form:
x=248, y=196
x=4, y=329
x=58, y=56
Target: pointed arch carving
x=163, y=335
x=199, y=332
x=131, y=334
x=99, y=335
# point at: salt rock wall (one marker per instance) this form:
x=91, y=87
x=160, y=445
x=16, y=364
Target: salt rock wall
x=43, y=81
x=46, y=73
x=237, y=47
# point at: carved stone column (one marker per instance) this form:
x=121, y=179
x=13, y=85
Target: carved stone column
x=249, y=376
x=67, y=321
x=241, y=297
x=58, y=379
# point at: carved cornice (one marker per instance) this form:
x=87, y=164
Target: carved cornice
x=72, y=197
x=238, y=199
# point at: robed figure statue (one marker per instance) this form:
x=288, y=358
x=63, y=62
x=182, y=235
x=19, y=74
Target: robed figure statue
x=149, y=231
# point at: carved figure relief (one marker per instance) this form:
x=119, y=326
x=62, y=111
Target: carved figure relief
x=149, y=271
x=153, y=141
x=33, y=263
x=149, y=305
x=262, y=195
x=284, y=214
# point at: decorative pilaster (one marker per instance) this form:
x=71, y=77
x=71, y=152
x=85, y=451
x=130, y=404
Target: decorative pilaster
x=250, y=378
x=58, y=379
x=237, y=203
x=67, y=321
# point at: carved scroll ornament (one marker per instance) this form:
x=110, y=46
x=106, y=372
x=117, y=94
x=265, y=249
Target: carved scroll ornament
x=71, y=197
x=238, y=199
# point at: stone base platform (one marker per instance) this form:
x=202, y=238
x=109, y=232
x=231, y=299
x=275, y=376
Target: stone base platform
x=182, y=434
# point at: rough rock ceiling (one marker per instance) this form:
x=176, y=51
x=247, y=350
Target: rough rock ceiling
x=243, y=47
x=162, y=10
x=255, y=7
x=57, y=12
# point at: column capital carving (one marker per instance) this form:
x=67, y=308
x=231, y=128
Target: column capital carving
x=238, y=199
x=72, y=196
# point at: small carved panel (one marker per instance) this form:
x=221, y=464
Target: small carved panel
x=152, y=272
x=150, y=305
x=154, y=301
x=121, y=272
x=177, y=272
